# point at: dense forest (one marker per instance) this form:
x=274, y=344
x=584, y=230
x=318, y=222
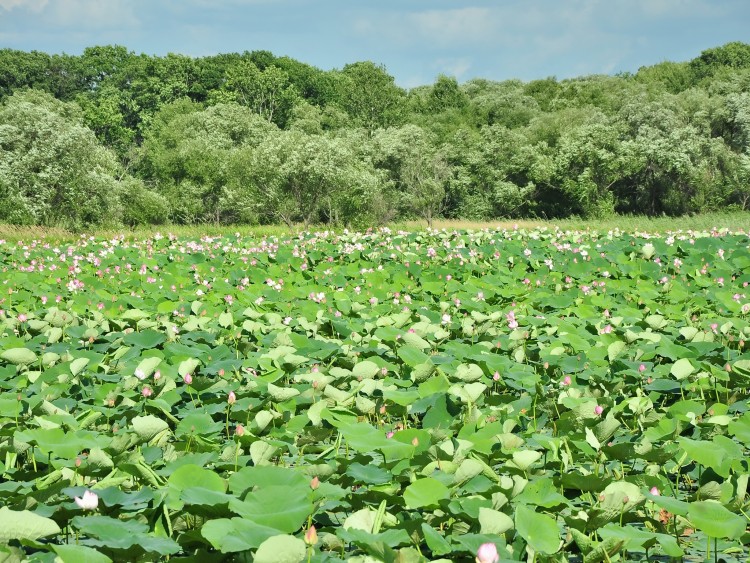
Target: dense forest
x=113, y=137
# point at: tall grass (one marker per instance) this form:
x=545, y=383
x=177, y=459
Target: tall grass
x=736, y=221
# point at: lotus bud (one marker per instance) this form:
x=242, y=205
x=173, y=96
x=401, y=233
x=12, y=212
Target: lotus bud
x=487, y=553
x=311, y=536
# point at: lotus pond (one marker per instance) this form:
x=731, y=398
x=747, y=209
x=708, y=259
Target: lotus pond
x=380, y=396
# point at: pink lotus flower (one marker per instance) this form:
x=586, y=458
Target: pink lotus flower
x=147, y=392
x=231, y=398
x=487, y=553
x=187, y=378
x=598, y=410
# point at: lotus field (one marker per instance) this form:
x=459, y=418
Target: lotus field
x=512, y=395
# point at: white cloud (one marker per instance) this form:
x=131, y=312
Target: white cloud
x=457, y=67
x=32, y=5
x=93, y=14
x=451, y=26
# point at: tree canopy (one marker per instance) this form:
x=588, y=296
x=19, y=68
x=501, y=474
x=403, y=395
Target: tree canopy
x=115, y=136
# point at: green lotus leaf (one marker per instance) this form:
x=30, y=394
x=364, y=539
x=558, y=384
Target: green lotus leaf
x=682, y=368
x=716, y=521
x=25, y=525
x=276, y=507
x=281, y=549
x=493, y=521
x=425, y=493
x=79, y=554
x=19, y=356
x=146, y=427
x=365, y=369
x=539, y=530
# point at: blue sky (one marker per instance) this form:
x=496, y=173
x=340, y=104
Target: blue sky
x=415, y=39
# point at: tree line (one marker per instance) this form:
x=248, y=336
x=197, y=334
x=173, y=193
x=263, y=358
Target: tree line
x=114, y=137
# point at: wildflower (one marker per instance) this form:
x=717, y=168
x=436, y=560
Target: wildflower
x=311, y=536
x=89, y=501
x=511, y=318
x=487, y=553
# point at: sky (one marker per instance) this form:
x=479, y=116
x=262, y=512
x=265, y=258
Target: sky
x=416, y=40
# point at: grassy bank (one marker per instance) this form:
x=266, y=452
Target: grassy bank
x=734, y=221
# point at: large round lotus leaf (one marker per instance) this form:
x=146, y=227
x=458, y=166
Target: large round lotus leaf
x=716, y=521
x=425, y=492
x=281, y=549
x=24, y=525
x=539, y=530
x=19, y=356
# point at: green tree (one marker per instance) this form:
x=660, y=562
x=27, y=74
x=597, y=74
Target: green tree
x=417, y=168
x=370, y=96
x=501, y=103
x=53, y=171
x=446, y=94
x=584, y=168
x=267, y=92
x=732, y=56
x=663, y=158
x=187, y=154
x=668, y=76
x=293, y=176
